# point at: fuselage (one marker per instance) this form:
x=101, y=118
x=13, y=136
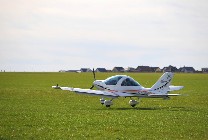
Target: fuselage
x=121, y=83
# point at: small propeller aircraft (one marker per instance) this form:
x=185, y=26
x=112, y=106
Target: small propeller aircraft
x=125, y=86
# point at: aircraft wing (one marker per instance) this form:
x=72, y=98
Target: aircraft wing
x=92, y=92
x=103, y=93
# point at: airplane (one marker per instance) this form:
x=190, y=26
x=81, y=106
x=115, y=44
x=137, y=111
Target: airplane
x=125, y=86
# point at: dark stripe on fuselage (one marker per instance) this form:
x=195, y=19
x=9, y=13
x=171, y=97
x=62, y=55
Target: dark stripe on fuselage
x=87, y=93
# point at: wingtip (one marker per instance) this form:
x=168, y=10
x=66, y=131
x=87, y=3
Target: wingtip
x=56, y=87
x=67, y=88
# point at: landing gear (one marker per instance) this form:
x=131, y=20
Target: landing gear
x=107, y=103
x=102, y=100
x=133, y=103
x=166, y=98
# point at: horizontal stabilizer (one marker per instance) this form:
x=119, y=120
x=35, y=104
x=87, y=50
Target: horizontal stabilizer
x=172, y=88
x=163, y=95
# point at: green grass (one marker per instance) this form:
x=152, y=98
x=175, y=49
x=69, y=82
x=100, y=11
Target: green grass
x=31, y=109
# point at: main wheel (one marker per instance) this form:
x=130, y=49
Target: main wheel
x=108, y=103
x=133, y=105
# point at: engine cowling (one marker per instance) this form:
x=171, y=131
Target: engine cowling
x=133, y=103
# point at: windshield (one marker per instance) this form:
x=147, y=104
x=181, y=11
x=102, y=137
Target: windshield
x=112, y=80
x=129, y=82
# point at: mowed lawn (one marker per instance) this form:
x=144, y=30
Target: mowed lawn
x=31, y=109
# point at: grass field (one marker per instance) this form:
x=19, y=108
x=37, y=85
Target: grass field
x=31, y=109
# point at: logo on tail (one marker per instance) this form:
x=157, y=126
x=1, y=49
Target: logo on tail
x=162, y=85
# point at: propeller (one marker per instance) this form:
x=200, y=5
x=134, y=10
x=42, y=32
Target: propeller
x=93, y=71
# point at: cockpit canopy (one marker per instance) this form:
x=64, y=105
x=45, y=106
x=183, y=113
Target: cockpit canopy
x=121, y=80
x=112, y=80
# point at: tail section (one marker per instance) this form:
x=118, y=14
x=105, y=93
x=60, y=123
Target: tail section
x=162, y=85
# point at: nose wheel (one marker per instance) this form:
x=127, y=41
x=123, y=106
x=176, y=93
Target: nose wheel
x=102, y=100
x=133, y=103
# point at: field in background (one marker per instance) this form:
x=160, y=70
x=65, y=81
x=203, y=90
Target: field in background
x=31, y=109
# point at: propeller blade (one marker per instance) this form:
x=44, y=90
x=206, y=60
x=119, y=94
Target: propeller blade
x=93, y=71
x=92, y=87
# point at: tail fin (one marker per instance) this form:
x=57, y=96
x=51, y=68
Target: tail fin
x=162, y=85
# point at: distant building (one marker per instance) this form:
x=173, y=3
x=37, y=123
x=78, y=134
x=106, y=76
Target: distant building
x=144, y=69
x=155, y=69
x=130, y=69
x=68, y=70
x=72, y=70
x=85, y=70
x=205, y=70
x=62, y=71
x=170, y=69
x=118, y=69
x=101, y=70
x=187, y=69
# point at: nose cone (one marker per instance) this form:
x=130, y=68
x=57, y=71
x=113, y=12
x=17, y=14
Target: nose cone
x=98, y=84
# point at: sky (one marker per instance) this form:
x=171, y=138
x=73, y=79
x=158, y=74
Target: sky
x=53, y=35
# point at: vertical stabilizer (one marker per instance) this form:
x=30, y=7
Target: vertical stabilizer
x=162, y=85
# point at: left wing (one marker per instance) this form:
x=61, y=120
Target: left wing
x=92, y=92
x=103, y=93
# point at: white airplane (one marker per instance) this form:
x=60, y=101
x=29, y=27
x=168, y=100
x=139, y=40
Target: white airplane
x=125, y=86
